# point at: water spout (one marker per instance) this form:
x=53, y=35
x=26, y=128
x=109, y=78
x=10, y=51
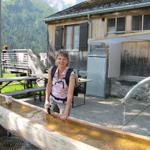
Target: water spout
x=8, y=99
x=133, y=90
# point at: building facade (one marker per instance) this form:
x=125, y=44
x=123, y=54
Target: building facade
x=126, y=22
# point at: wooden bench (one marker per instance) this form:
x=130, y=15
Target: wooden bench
x=29, y=90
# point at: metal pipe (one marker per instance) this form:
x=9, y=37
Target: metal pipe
x=90, y=26
x=105, y=10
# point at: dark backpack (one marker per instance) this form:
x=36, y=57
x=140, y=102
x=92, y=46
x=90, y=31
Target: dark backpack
x=67, y=77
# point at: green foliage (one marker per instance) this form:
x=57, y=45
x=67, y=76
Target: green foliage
x=23, y=24
x=8, y=75
x=12, y=86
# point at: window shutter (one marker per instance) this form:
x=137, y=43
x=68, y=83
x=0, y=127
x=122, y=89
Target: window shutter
x=83, y=39
x=59, y=37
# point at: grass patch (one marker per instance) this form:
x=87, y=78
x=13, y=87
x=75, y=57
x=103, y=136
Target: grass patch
x=8, y=75
x=14, y=86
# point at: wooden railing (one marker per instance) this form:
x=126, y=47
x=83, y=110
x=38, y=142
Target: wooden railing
x=15, y=60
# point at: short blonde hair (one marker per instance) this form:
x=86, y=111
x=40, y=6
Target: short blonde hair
x=64, y=54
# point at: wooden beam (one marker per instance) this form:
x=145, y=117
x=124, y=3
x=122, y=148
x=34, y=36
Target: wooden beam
x=37, y=134
x=48, y=132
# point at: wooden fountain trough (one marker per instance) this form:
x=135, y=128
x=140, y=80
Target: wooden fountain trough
x=50, y=133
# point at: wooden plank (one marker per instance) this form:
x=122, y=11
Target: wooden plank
x=9, y=64
x=36, y=133
x=98, y=28
x=135, y=55
x=16, y=50
x=25, y=91
x=49, y=133
x=18, y=69
x=17, y=78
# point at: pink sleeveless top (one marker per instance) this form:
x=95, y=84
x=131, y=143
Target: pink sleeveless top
x=59, y=87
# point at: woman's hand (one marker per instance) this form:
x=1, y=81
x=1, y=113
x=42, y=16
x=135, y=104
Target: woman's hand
x=63, y=116
x=47, y=106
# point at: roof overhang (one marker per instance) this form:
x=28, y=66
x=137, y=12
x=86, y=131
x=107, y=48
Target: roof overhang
x=100, y=11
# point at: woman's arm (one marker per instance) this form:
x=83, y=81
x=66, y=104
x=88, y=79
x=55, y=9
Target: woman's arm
x=48, y=88
x=68, y=106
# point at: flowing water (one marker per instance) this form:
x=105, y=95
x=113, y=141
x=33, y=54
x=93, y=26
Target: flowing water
x=124, y=114
x=100, y=138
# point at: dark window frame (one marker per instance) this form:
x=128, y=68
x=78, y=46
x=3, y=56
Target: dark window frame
x=72, y=37
x=146, y=25
x=137, y=23
x=143, y=23
x=59, y=37
x=117, y=28
x=112, y=25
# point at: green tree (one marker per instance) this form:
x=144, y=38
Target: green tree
x=23, y=24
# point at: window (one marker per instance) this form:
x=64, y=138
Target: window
x=146, y=24
x=137, y=23
x=72, y=37
x=111, y=25
x=121, y=24
x=76, y=37
x=68, y=37
x=141, y=22
x=59, y=37
x=116, y=25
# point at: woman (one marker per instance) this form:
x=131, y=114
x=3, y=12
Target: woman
x=59, y=95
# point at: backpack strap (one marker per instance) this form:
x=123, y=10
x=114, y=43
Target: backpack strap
x=53, y=70
x=68, y=73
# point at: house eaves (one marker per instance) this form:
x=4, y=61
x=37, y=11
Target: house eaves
x=98, y=11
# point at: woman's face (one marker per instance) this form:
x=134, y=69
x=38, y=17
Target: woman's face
x=62, y=61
